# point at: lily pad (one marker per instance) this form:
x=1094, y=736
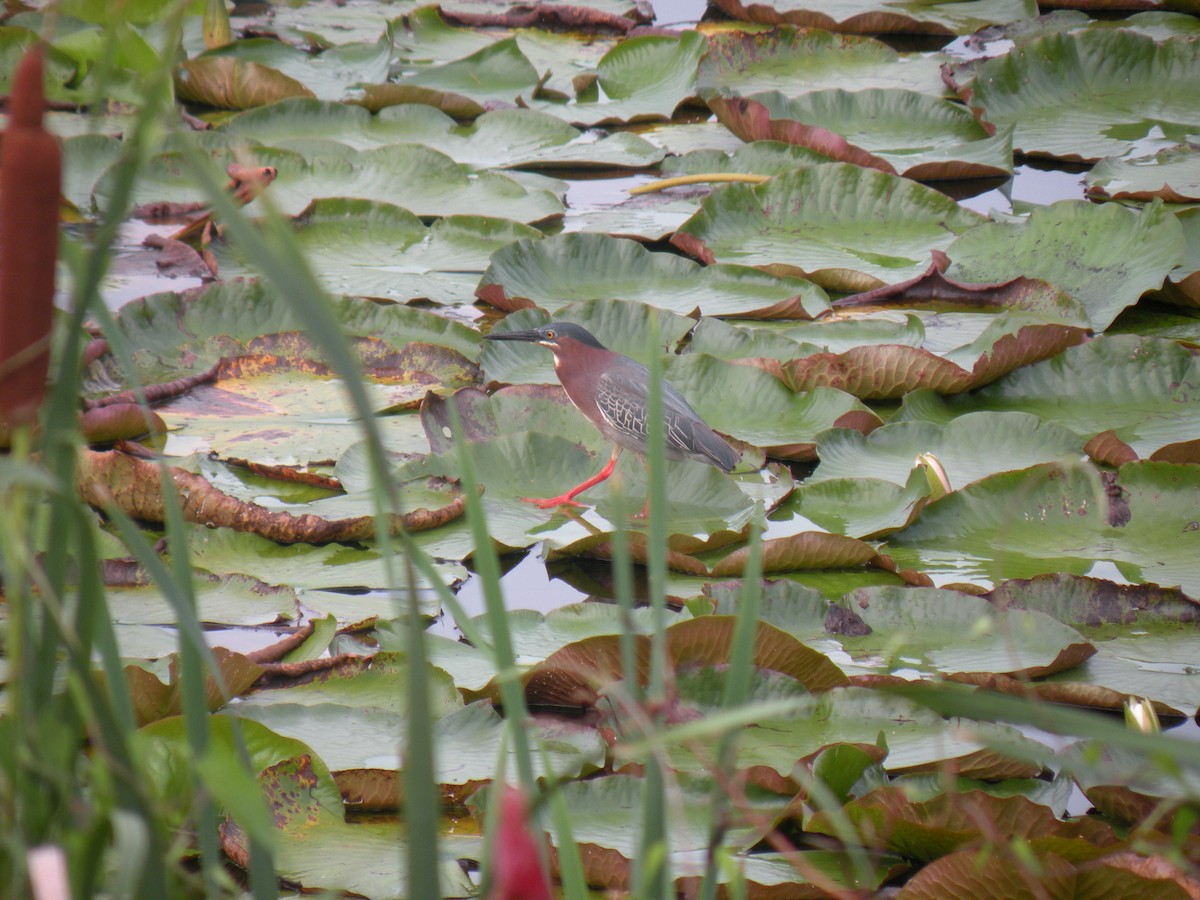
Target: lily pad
x=367, y=248
x=234, y=84
x=551, y=272
x=1049, y=518
x=873, y=17
x=429, y=40
x=573, y=675
x=318, y=849
x=970, y=447
x=172, y=334
x=1172, y=175
x=922, y=631
x=232, y=600
x=796, y=61
x=641, y=78
x=1143, y=636
x=916, y=740
x=1091, y=94
x=1105, y=256
x=421, y=179
x=1137, y=391
x=328, y=75
x=844, y=227
x=900, y=132
x=308, y=567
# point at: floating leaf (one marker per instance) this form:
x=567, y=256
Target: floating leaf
x=1105, y=256
x=551, y=272
x=907, y=16
x=969, y=447
x=927, y=630
x=899, y=132
x=641, y=78
x=1053, y=519
x=845, y=227
x=1090, y=94
x=1139, y=389
x=798, y=60
x=371, y=249
x=1172, y=175
x=233, y=84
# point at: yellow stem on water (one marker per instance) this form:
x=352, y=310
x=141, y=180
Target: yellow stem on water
x=705, y=178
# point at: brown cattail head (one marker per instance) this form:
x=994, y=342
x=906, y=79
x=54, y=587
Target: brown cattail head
x=30, y=185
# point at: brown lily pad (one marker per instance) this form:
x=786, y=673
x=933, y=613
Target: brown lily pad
x=573, y=675
x=135, y=486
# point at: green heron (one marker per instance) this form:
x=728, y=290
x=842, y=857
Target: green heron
x=612, y=391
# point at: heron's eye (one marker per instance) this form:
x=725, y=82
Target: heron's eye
x=550, y=334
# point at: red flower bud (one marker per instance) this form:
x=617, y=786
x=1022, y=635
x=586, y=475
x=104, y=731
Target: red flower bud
x=517, y=872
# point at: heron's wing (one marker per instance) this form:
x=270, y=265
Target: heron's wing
x=622, y=398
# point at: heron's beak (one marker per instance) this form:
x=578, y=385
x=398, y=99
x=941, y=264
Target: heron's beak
x=532, y=335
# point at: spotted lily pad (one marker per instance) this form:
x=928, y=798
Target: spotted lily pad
x=798, y=60
x=844, y=227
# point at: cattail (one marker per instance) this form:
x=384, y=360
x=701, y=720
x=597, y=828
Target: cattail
x=30, y=177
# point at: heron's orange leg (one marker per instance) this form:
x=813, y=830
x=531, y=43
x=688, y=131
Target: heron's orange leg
x=569, y=496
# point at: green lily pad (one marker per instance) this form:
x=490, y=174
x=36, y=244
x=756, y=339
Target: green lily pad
x=607, y=813
x=421, y=179
x=1139, y=389
x=307, y=567
x=1105, y=256
x=900, y=132
x=873, y=17
x=231, y=600
x=1144, y=639
x=755, y=158
x=85, y=159
x=796, y=61
x=922, y=631
x=970, y=447
x=496, y=139
x=429, y=40
x=175, y=334
x=1054, y=519
x=1090, y=94
x=860, y=507
x=550, y=272
x=329, y=75
x=495, y=76
x=367, y=248
x=319, y=850
x=844, y=227
x=1173, y=175
x=641, y=78
x=916, y=740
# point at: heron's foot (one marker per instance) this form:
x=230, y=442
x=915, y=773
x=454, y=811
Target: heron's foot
x=551, y=502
